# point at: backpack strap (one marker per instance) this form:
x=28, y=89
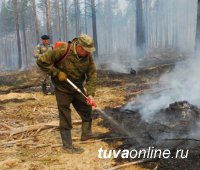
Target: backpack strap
x=63, y=56
x=40, y=46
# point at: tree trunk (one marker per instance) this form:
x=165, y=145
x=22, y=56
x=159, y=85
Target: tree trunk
x=35, y=22
x=140, y=38
x=65, y=20
x=94, y=27
x=198, y=26
x=108, y=27
x=49, y=20
x=16, y=16
x=77, y=17
x=24, y=36
x=86, y=16
x=58, y=20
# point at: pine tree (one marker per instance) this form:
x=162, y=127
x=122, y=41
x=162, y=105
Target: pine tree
x=7, y=19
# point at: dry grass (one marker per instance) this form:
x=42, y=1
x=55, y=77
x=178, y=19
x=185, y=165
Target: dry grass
x=25, y=108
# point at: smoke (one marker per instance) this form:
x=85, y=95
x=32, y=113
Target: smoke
x=183, y=83
x=120, y=62
x=195, y=133
x=117, y=67
x=166, y=25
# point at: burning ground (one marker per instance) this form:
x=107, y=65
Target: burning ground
x=37, y=145
x=162, y=118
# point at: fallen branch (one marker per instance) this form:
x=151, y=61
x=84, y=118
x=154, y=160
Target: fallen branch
x=46, y=145
x=33, y=95
x=6, y=126
x=8, y=152
x=14, y=131
x=38, y=127
x=16, y=88
x=34, y=109
x=130, y=163
x=11, y=143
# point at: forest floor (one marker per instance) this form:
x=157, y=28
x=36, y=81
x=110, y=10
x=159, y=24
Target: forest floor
x=37, y=145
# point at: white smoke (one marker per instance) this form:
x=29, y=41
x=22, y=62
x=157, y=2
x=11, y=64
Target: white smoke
x=119, y=63
x=195, y=132
x=117, y=67
x=183, y=83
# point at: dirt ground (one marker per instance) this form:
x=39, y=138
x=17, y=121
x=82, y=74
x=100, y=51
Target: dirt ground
x=23, y=104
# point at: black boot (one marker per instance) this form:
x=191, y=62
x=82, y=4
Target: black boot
x=52, y=88
x=44, y=89
x=67, y=143
x=86, y=131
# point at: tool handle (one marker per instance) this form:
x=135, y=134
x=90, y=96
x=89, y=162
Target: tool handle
x=88, y=99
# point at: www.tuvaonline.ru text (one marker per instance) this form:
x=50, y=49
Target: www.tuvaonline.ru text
x=148, y=153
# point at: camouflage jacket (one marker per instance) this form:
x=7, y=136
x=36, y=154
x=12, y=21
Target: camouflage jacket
x=41, y=49
x=78, y=70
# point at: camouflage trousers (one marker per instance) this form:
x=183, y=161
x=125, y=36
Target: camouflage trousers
x=45, y=80
x=64, y=100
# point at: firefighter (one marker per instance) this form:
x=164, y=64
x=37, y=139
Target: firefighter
x=39, y=50
x=78, y=65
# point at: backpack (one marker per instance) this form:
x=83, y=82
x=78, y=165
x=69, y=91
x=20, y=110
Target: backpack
x=58, y=44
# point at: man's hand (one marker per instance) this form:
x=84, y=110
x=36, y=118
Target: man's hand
x=62, y=76
x=90, y=101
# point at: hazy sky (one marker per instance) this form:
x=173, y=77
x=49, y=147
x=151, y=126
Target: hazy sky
x=122, y=4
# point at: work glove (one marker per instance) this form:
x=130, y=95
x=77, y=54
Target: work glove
x=90, y=101
x=62, y=76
